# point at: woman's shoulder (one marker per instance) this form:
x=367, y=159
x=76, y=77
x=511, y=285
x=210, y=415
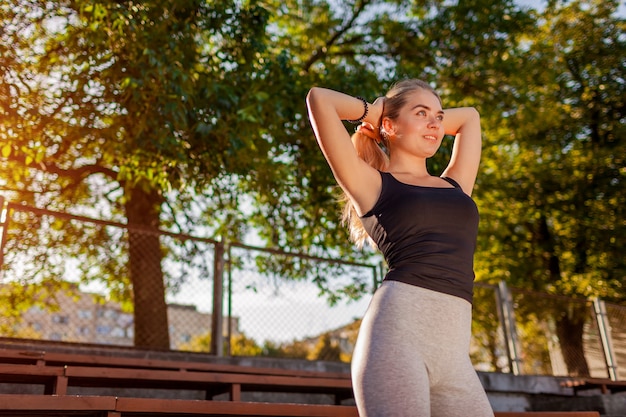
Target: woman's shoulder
x=451, y=181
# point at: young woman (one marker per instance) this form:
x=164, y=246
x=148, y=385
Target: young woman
x=412, y=353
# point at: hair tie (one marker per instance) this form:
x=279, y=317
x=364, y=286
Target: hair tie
x=366, y=110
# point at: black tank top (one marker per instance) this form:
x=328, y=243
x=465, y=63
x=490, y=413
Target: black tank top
x=426, y=234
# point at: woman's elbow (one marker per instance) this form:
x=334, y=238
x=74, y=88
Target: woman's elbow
x=312, y=95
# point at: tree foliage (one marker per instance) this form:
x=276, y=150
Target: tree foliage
x=552, y=191
x=146, y=97
x=183, y=114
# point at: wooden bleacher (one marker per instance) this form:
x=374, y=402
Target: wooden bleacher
x=72, y=405
x=59, y=372
x=69, y=405
x=605, y=385
x=549, y=414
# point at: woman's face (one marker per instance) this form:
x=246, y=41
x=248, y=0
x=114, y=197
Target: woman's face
x=418, y=128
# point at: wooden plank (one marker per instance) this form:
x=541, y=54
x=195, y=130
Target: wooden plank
x=163, y=407
x=606, y=385
x=208, y=381
x=70, y=359
x=34, y=370
x=235, y=392
x=130, y=374
x=120, y=407
x=20, y=356
x=59, y=387
x=52, y=377
x=29, y=402
x=548, y=414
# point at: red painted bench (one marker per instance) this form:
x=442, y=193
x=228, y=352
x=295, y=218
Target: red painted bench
x=69, y=405
x=212, y=383
x=34, y=357
x=52, y=405
x=549, y=414
x=57, y=380
x=52, y=378
x=605, y=385
x=58, y=371
x=86, y=370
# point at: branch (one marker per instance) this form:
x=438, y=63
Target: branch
x=80, y=172
x=74, y=173
x=322, y=50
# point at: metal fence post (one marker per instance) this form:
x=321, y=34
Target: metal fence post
x=599, y=308
x=229, y=297
x=382, y=271
x=509, y=328
x=217, y=317
x=4, y=225
x=375, y=279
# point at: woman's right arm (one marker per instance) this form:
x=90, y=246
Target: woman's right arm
x=327, y=108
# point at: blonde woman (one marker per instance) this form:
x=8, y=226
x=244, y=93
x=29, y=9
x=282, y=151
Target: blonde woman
x=412, y=353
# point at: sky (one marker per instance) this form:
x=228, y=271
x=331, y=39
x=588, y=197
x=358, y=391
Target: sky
x=540, y=4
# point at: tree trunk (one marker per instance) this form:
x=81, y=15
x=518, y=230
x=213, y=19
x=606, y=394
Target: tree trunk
x=570, y=323
x=145, y=255
x=570, y=329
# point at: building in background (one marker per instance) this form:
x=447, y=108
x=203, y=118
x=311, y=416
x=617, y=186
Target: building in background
x=87, y=318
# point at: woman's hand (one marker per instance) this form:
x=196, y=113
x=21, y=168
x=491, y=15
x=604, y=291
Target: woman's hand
x=376, y=113
x=370, y=131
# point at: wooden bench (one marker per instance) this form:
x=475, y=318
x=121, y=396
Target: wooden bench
x=98, y=370
x=51, y=405
x=212, y=383
x=161, y=407
x=62, y=359
x=19, y=356
x=48, y=405
x=57, y=380
x=548, y=414
x=51, y=377
x=606, y=385
x=58, y=371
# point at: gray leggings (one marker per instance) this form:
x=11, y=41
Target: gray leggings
x=411, y=358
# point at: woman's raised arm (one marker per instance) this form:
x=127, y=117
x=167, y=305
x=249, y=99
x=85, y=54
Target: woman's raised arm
x=464, y=124
x=327, y=108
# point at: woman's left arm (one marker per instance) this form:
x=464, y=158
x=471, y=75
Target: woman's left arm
x=464, y=124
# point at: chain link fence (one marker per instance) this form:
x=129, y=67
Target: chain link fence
x=488, y=348
x=557, y=335
x=76, y=279
x=617, y=332
x=313, y=314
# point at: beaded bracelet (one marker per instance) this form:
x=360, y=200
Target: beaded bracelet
x=360, y=119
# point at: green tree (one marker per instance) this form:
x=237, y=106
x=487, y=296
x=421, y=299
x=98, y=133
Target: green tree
x=326, y=349
x=550, y=89
x=553, y=196
x=160, y=105
x=142, y=97
x=240, y=345
x=294, y=350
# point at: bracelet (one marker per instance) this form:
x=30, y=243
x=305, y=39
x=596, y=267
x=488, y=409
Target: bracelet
x=360, y=119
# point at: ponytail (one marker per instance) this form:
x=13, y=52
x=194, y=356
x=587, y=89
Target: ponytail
x=371, y=152
x=375, y=151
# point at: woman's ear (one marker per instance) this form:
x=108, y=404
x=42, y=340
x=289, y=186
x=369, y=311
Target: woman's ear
x=388, y=126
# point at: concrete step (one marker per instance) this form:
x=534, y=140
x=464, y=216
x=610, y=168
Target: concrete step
x=608, y=405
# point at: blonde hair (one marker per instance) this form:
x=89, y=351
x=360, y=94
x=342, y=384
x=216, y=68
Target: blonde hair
x=375, y=153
